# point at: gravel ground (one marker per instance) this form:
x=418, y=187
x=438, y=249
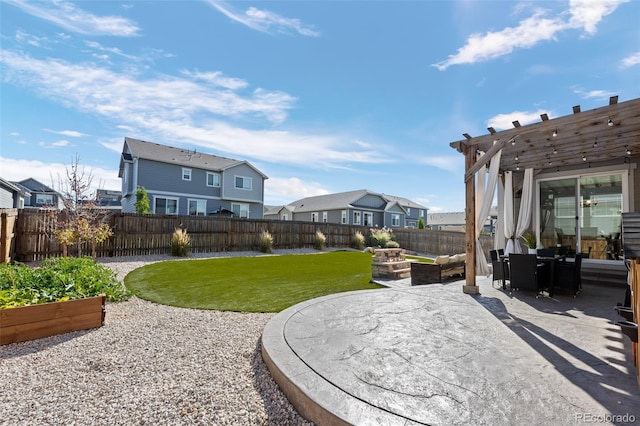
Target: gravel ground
x=149, y=364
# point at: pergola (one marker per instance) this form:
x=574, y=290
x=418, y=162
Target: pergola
x=602, y=136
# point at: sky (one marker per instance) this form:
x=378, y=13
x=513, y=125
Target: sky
x=320, y=96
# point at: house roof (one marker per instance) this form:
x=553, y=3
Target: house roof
x=13, y=186
x=180, y=156
x=32, y=185
x=342, y=200
x=328, y=201
x=404, y=202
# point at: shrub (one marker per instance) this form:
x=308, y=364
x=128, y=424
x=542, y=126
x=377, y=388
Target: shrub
x=421, y=223
x=180, y=243
x=57, y=279
x=321, y=241
x=265, y=242
x=392, y=244
x=357, y=241
x=382, y=237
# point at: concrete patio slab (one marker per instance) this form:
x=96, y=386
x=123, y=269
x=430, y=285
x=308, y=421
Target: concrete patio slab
x=434, y=355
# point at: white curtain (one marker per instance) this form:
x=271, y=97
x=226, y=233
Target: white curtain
x=526, y=211
x=509, y=227
x=526, y=203
x=484, y=198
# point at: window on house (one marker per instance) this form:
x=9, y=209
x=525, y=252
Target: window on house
x=343, y=219
x=368, y=219
x=324, y=217
x=395, y=219
x=240, y=209
x=198, y=207
x=421, y=213
x=186, y=174
x=408, y=211
x=285, y=216
x=162, y=205
x=314, y=217
x=44, y=199
x=356, y=218
x=243, y=182
x=213, y=179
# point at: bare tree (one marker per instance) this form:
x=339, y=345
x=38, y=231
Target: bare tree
x=81, y=220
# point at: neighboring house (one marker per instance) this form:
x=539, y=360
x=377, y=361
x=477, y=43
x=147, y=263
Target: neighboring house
x=108, y=199
x=182, y=181
x=278, y=212
x=12, y=196
x=361, y=207
x=414, y=210
x=455, y=221
x=42, y=196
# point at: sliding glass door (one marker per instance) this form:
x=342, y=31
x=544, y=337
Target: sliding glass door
x=582, y=214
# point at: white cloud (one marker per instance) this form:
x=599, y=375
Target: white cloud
x=168, y=109
x=71, y=18
x=583, y=14
x=450, y=163
x=593, y=94
x=217, y=78
x=60, y=143
x=70, y=133
x=48, y=173
x=491, y=45
x=30, y=39
x=264, y=20
x=280, y=191
x=113, y=50
x=631, y=60
x=91, y=88
x=587, y=14
x=505, y=121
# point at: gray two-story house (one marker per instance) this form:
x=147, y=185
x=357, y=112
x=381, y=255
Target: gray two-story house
x=39, y=195
x=189, y=182
x=361, y=207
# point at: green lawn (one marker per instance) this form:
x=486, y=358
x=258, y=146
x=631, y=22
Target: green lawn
x=251, y=284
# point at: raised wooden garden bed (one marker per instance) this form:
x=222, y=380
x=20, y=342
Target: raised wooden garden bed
x=48, y=319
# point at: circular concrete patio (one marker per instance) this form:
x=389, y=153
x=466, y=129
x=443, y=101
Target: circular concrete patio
x=433, y=355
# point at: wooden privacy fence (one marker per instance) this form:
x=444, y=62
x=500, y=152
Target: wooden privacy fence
x=8, y=219
x=135, y=234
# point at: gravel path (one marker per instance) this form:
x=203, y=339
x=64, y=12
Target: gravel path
x=149, y=364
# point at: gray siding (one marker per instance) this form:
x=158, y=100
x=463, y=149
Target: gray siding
x=128, y=180
x=230, y=192
x=6, y=199
x=128, y=204
x=370, y=201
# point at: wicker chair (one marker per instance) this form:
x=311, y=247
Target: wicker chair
x=526, y=274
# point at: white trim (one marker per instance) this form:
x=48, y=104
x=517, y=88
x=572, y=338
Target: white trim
x=183, y=194
x=213, y=174
x=197, y=200
x=177, y=200
x=359, y=222
x=244, y=178
x=186, y=174
x=248, y=210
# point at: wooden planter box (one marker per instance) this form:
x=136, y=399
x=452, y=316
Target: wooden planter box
x=48, y=319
